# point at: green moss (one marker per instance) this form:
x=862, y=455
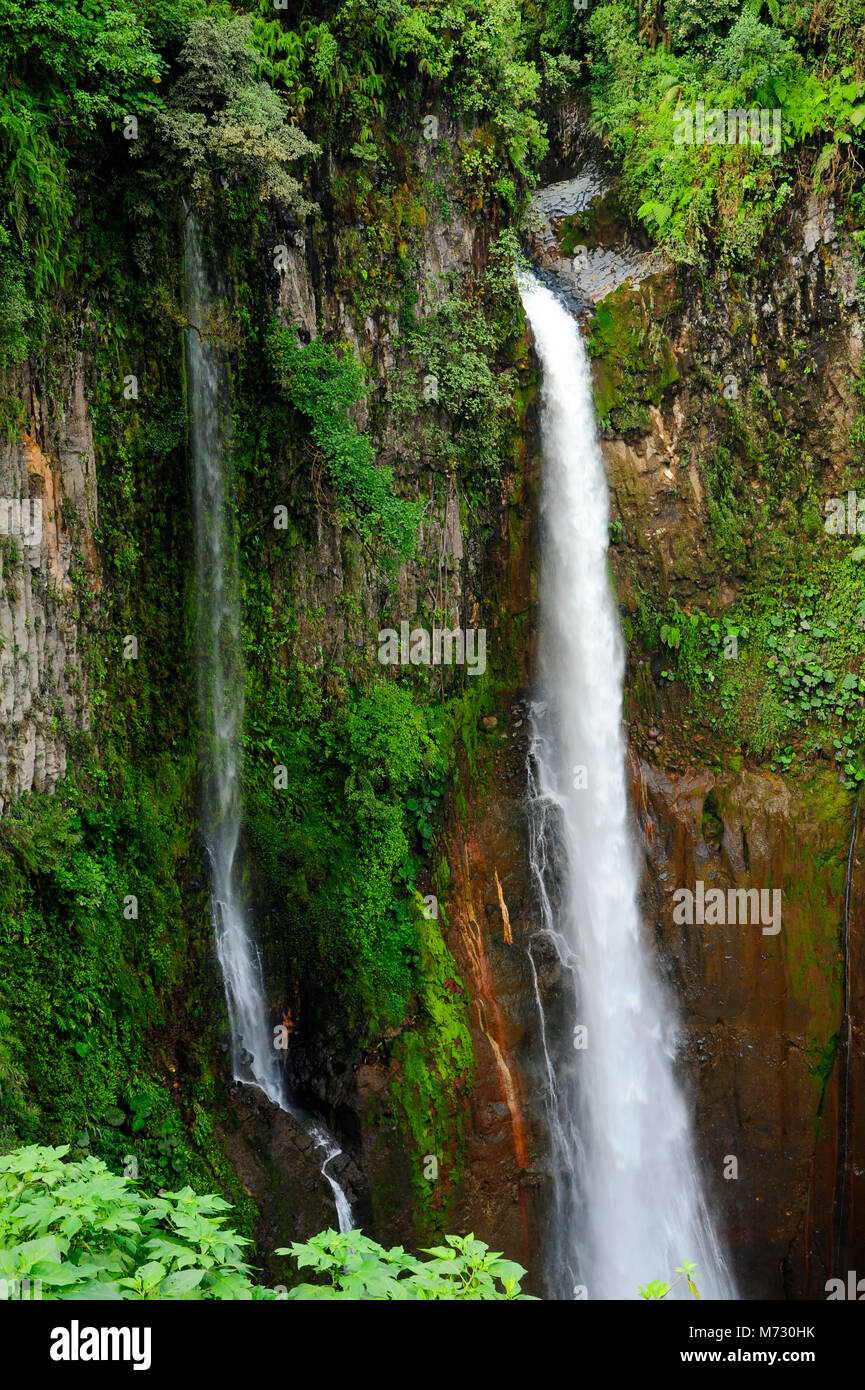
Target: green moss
x=813, y=908
x=435, y=1068
x=634, y=362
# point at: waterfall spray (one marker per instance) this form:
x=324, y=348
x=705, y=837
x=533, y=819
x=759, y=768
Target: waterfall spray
x=219, y=660
x=628, y=1201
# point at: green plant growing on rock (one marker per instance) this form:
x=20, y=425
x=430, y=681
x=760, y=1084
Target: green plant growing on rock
x=324, y=386
x=77, y=71
x=694, y=196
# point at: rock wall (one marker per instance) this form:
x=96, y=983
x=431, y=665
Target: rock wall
x=46, y=465
x=763, y=1011
x=336, y=588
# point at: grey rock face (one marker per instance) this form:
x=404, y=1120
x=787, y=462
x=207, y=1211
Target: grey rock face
x=593, y=272
x=47, y=469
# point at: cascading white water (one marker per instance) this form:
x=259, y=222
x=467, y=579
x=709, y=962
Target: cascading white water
x=221, y=683
x=628, y=1199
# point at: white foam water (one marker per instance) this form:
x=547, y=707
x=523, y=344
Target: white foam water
x=628, y=1200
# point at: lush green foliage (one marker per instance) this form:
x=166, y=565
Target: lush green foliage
x=695, y=195
x=75, y=68
x=456, y=346
x=75, y=1230
x=336, y=851
x=222, y=124
x=371, y=53
x=323, y=386
x=83, y=1232
x=93, y=943
x=359, y=1268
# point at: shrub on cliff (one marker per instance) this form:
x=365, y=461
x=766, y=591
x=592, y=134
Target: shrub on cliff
x=324, y=386
x=221, y=124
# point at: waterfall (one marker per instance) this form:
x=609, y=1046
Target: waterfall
x=220, y=689
x=628, y=1201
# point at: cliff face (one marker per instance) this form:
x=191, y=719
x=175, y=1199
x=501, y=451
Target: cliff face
x=47, y=465
x=686, y=373
x=763, y=1013
x=413, y=1099
x=388, y=1065
x=334, y=588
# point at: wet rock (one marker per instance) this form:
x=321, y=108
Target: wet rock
x=761, y=1013
x=596, y=271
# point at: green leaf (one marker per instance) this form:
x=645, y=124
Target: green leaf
x=181, y=1282
x=655, y=211
x=55, y=1274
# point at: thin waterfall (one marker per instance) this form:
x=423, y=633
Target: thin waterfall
x=627, y=1196
x=221, y=687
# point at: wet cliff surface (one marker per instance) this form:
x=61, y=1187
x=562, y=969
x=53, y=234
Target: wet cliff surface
x=763, y=1014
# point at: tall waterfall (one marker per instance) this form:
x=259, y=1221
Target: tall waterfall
x=628, y=1200
x=220, y=671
